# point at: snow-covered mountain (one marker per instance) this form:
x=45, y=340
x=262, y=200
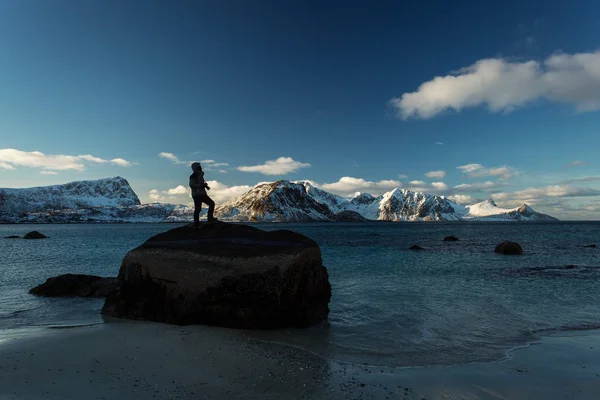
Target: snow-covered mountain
x=488, y=211
x=103, y=200
x=110, y=192
x=282, y=201
x=285, y=201
x=113, y=200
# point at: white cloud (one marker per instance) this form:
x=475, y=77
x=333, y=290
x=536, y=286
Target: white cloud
x=436, y=174
x=155, y=195
x=479, y=185
x=527, y=195
x=4, y=165
x=585, y=179
x=478, y=171
x=502, y=85
x=170, y=156
x=280, y=166
x=222, y=193
x=48, y=172
x=12, y=158
x=349, y=185
x=121, y=162
x=439, y=186
x=402, y=176
x=576, y=163
x=178, y=190
x=470, y=168
x=439, y=143
x=208, y=164
x=463, y=199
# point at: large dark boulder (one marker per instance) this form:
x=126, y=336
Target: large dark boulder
x=35, y=235
x=223, y=274
x=73, y=285
x=509, y=248
x=451, y=239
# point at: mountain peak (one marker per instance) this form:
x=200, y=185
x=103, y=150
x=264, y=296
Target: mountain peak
x=525, y=209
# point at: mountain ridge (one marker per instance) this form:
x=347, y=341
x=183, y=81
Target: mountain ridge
x=113, y=200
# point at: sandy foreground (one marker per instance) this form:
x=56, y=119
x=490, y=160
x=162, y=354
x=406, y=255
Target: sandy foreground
x=135, y=360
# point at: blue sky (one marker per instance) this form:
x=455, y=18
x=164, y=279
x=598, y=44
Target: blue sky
x=350, y=95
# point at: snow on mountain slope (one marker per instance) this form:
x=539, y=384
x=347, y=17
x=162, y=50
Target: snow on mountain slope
x=488, y=211
x=110, y=192
x=113, y=200
x=484, y=209
x=287, y=201
x=280, y=201
x=154, y=212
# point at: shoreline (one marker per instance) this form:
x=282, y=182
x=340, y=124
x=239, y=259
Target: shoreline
x=129, y=359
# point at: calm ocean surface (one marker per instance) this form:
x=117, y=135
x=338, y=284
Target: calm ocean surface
x=456, y=302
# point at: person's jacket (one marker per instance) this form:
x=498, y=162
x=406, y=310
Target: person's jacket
x=198, y=184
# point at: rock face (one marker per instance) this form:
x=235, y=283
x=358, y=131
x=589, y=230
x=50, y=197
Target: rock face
x=512, y=248
x=348, y=216
x=223, y=274
x=451, y=239
x=35, y=235
x=72, y=285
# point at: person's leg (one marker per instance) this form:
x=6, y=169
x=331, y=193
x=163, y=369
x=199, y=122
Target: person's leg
x=211, y=207
x=197, y=209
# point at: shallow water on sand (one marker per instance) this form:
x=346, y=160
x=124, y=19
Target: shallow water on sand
x=456, y=302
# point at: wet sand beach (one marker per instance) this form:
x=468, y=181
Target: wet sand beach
x=138, y=360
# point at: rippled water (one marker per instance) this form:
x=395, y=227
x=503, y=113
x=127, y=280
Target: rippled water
x=455, y=302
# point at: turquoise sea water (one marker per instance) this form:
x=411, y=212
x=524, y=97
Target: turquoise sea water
x=456, y=302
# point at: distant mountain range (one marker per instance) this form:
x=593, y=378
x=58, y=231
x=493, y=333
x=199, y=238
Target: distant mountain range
x=285, y=201
x=113, y=200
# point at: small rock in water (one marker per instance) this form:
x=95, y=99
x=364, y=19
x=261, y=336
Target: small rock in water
x=590, y=246
x=415, y=247
x=13, y=237
x=76, y=285
x=510, y=248
x=35, y=235
x=451, y=239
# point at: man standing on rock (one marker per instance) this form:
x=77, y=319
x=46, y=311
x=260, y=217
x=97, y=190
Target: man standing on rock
x=199, y=188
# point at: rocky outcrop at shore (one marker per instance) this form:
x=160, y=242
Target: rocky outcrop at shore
x=223, y=274
x=74, y=285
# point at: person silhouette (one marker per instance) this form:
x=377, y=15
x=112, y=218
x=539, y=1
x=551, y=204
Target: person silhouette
x=199, y=188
